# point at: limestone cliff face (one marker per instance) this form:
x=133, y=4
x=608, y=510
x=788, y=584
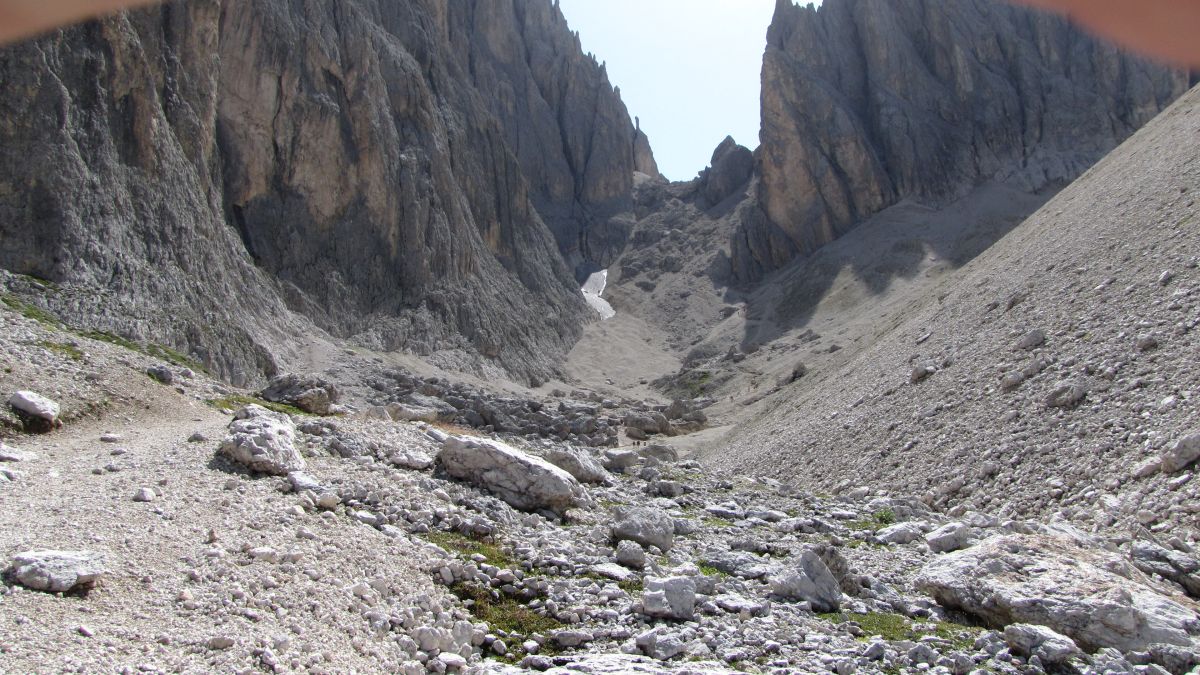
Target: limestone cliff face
x=407, y=173
x=869, y=102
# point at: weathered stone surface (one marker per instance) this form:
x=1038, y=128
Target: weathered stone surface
x=1049, y=646
x=524, y=481
x=669, y=598
x=58, y=571
x=263, y=441
x=34, y=407
x=949, y=537
x=900, y=533
x=1093, y=597
x=579, y=464
x=1181, y=453
x=11, y=454
x=646, y=526
x=309, y=393
x=409, y=174
x=866, y=104
x=810, y=581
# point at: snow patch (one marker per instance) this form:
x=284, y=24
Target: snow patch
x=592, y=289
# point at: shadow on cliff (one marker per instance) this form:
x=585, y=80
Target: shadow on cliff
x=902, y=243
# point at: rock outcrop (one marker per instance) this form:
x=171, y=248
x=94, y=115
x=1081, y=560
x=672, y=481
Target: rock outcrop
x=263, y=442
x=406, y=174
x=867, y=103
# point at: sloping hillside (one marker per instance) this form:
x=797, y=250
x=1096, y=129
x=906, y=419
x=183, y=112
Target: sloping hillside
x=966, y=402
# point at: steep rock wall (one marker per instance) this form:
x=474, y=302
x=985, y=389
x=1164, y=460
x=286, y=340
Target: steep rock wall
x=869, y=102
x=222, y=173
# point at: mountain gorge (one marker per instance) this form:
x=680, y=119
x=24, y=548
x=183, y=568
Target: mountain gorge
x=366, y=336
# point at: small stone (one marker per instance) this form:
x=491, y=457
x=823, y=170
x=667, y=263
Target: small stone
x=58, y=571
x=110, y=438
x=1166, y=277
x=197, y=438
x=1032, y=340
x=144, y=495
x=631, y=554
x=1182, y=453
x=161, y=374
x=1066, y=394
x=85, y=631
x=11, y=454
x=220, y=642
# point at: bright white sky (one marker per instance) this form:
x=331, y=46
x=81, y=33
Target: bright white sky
x=690, y=69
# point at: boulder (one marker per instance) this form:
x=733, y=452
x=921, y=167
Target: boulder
x=949, y=537
x=1090, y=595
x=631, y=554
x=900, y=533
x=663, y=453
x=161, y=374
x=810, y=581
x=262, y=441
x=1174, y=566
x=617, y=460
x=401, y=412
x=36, y=411
x=526, y=482
x=309, y=393
x=58, y=571
x=669, y=598
x=1182, y=453
x=579, y=464
x=646, y=526
x=1067, y=393
x=1028, y=640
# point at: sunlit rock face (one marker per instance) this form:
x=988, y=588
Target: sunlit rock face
x=427, y=175
x=866, y=103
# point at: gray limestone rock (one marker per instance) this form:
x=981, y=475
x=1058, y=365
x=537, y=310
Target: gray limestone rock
x=35, y=410
x=58, y=571
x=646, y=526
x=309, y=393
x=669, y=598
x=866, y=104
x=524, y=481
x=1087, y=594
x=262, y=441
x=579, y=464
x=810, y=581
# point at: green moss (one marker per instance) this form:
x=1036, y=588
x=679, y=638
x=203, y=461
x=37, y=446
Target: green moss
x=68, y=350
x=469, y=546
x=506, y=614
x=710, y=571
x=713, y=521
x=631, y=586
x=29, y=311
x=236, y=401
x=894, y=628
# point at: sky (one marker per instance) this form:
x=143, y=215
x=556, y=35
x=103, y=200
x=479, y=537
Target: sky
x=688, y=68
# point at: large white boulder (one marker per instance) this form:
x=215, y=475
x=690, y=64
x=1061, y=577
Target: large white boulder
x=263, y=441
x=1096, y=598
x=811, y=582
x=526, y=482
x=57, y=571
x=669, y=598
x=35, y=407
x=646, y=526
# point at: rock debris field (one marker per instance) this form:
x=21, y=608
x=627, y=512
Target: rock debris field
x=186, y=527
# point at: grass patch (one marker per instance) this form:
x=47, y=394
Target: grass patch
x=469, y=546
x=713, y=521
x=631, y=586
x=68, y=350
x=505, y=614
x=878, y=520
x=710, y=571
x=29, y=311
x=236, y=401
x=157, y=351
x=894, y=628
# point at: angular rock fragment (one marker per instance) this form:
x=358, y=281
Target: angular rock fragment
x=262, y=441
x=309, y=393
x=1085, y=593
x=646, y=526
x=810, y=581
x=58, y=571
x=37, y=412
x=526, y=482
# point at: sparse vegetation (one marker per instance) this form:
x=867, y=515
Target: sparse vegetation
x=503, y=613
x=469, y=546
x=710, y=571
x=157, y=351
x=894, y=627
x=880, y=519
x=68, y=350
x=29, y=311
x=713, y=521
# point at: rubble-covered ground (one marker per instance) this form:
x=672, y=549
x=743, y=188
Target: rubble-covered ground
x=164, y=522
